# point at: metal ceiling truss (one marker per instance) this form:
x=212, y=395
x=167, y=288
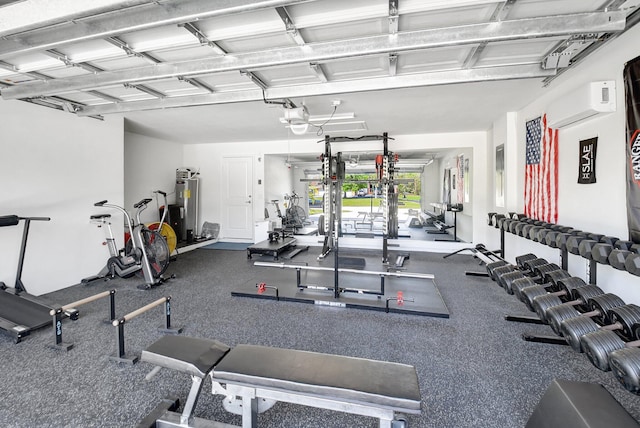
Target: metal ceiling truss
x=155, y=14
x=333, y=87
x=564, y=25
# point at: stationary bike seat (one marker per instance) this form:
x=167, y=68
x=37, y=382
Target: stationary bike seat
x=100, y=216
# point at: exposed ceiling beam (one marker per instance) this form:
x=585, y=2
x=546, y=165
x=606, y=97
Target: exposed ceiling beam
x=29, y=14
x=393, y=64
x=156, y=14
x=499, y=14
x=318, y=70
x=329, y=88
x=204, y=40
x=393, y=16
x=290, y=26
x=319, y=52
x=119, y=43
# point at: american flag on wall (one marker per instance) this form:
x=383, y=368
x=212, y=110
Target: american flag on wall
x=541, y=171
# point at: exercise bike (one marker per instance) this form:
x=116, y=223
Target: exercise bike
x=294, y=216
x=146, y=251
x=163, y=227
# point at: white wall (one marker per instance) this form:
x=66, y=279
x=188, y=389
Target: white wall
x=599, y=207
x=150, y=164
x=56, y=165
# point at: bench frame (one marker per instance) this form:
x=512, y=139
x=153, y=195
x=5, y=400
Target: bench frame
x=250, y=400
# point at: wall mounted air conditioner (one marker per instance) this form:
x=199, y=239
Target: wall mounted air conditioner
x=582, y=103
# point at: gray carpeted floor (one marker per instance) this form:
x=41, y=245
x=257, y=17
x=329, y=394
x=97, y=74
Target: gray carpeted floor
x=474, y=369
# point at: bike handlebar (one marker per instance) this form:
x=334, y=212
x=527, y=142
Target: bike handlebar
x=160, y=192
x=101, y=203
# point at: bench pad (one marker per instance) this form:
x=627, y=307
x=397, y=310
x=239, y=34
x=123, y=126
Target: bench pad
x=190, y=355
x=357, y=380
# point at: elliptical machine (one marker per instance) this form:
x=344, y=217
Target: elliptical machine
x=146, y=250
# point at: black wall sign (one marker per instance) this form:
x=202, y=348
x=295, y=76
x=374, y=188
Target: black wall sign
x=587, y=161
x=632, y=100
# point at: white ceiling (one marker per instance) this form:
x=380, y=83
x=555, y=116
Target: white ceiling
x=191, y=71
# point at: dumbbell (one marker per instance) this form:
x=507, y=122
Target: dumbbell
x=580, y=296
x=494, y=265
x=549, y=281
x=625, y=365
x=541, y=273
x=621, y=319
x=620, y=252
x=524, y=264
x=596, y=308
x=632, y=264
x=598, y=345
x=564, y=288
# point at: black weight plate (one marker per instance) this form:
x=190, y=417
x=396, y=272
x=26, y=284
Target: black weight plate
x=520, y=284
x=523, y=258
x=627, y=316
x=603, y=304
x=570, y=284
x=493, y=265
x=582, y=295
x=530, y=265
x=625, y=365
x=574, y=328
x=502, y=270
x=557, y=314
x=530, y=293
x=542, y=304
x=541, y=270
x=553, y=277
x=508, y=278
x=598, y=345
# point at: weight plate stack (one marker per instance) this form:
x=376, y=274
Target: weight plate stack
x=520, y=284
x=530, y=265
x=583, y=295
x=542, y=304
x=523, y=258
x=598, y=345
x=557, y=314
x=553, y=277
x=603, y=304
x=570, y=284
x=625, y=365
x=627, y=316
x=507, y=279
x=574, y=328
x=503, y=270
x=493, y=265
x=530, y=293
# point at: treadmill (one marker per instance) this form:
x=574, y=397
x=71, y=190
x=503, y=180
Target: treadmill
x=21, y=312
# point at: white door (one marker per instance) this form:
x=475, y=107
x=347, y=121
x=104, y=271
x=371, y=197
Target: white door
x=237, y=205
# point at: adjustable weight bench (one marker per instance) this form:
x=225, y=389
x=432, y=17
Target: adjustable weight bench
x=253, y=378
